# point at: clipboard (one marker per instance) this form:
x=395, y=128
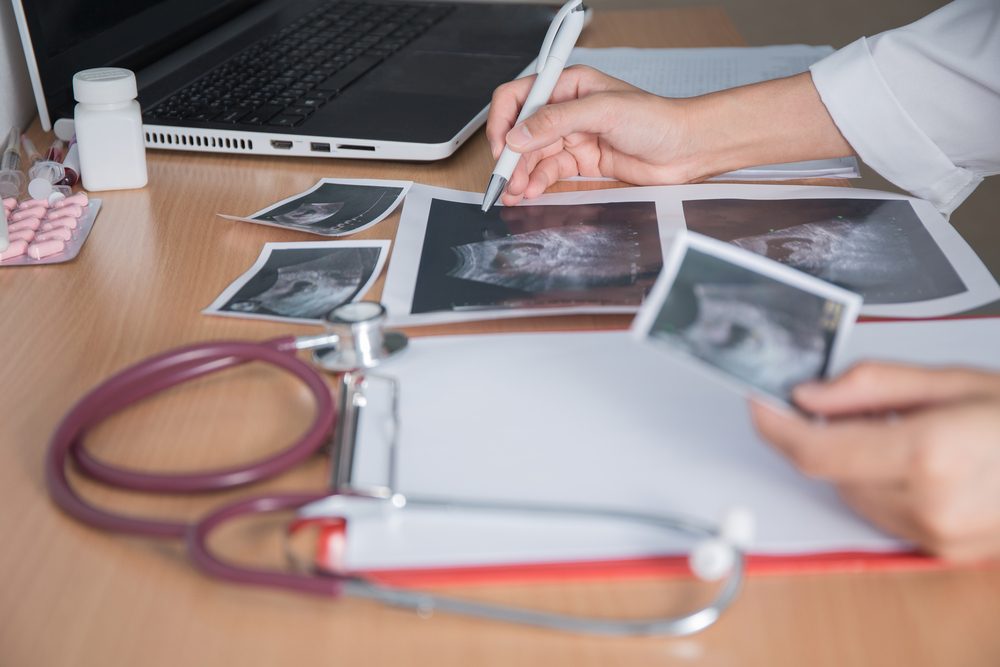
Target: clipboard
x=464, y=401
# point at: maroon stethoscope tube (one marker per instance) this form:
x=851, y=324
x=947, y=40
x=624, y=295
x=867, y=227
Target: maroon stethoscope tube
x=157, y=374
x=208, y=563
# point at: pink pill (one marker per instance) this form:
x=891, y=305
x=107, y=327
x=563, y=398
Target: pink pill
x=28, y=223
x=22, y=235
x=64, y=212
x=32, y=203
x=61, y=233
x=15, y=249
x=77, y=199
x=22, y=213
x=45, y=248
x=61, y=223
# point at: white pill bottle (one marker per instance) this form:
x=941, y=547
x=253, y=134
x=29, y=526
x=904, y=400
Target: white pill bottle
x=109, y=129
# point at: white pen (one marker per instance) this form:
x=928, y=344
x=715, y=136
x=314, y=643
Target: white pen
x=559, y=42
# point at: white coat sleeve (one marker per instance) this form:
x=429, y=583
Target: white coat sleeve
x=921, y=104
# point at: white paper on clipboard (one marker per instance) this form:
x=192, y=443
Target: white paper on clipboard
x=593, y=419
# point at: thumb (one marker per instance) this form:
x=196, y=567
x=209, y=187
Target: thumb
x=884, y=387
x=591, y=114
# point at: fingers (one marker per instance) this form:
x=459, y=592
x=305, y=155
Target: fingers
x=867, y=449
x=593, y=115
x=887, y=506
x=519, y=178
x=929, y=475
x=881, y=387
x=506, y=104
x=900, y=510
x=548, y=171
x=575, y=82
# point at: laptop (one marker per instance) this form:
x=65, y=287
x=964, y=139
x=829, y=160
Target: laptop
x=378, y=79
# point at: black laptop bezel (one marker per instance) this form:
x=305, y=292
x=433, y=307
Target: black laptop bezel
x=124, y=44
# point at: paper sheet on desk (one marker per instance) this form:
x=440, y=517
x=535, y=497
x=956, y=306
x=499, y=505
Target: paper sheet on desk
x=594, y=419
x=691, y=72
x=896, y=251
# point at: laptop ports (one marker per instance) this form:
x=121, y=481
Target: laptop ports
x=282, y=144
x=317, y=147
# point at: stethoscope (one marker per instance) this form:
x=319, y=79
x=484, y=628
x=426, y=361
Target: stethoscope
x=355, y=341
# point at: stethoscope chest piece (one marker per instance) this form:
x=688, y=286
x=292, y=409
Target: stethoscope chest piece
x=361, y=339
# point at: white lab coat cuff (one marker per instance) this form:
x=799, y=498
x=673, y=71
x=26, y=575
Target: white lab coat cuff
x=882, y=133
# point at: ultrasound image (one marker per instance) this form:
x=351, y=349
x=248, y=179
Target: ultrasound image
x=305, y=283
x=877, y=248
x=533, y=256
x=764, y=332
x=333, y=209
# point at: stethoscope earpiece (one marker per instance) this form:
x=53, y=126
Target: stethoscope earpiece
x=713, y=558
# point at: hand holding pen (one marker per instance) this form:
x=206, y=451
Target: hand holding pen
x=556, y=48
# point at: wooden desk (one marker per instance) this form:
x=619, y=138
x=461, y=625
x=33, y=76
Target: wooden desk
x=75, y=596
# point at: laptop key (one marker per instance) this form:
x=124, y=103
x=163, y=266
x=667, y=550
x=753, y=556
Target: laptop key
x=345, y=77
x=286, y=120
x=299, y=110
x=261, y=115
x=231, y=115
x=312, y=102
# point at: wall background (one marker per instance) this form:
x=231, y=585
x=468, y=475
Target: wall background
x=760, y=22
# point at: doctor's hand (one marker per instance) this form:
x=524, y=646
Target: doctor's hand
x=916, y=451
x=596, y=125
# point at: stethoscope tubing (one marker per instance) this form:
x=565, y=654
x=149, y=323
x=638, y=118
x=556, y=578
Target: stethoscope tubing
x=157, y=374
x=334, y=585
x=206, y=560
x=172, y=368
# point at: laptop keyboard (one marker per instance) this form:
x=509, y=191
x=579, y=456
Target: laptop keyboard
x=282, y=79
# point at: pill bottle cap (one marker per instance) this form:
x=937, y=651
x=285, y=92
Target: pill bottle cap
x=104, y=85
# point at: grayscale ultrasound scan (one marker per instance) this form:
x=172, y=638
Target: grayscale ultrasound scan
x=877, y=248
x=333, y=209
x=537, y=256
x=769, y=334
x=305, y=283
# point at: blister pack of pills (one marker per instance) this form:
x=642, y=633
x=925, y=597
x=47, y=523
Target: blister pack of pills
x=43, y=232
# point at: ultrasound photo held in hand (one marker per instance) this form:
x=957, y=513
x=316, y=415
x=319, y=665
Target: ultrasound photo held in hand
x=759, y=324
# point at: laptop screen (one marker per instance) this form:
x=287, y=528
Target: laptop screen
x=70, y=35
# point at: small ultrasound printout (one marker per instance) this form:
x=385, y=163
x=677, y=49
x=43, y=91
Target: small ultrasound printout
x=302, y=282
x=751, y=322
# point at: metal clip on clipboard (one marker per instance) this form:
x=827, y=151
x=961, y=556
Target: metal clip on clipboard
x=353, y=400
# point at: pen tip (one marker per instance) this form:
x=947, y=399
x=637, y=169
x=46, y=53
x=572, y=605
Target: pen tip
x=493, y=191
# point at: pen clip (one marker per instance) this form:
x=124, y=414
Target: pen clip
x=550, y=36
